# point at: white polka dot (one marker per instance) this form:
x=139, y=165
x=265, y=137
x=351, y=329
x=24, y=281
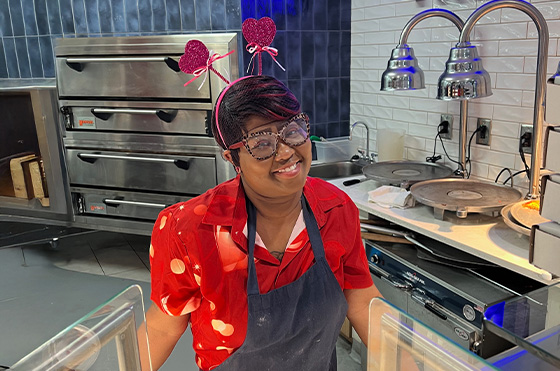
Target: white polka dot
x=162, y=222
x=151, y=250
x=177, y=266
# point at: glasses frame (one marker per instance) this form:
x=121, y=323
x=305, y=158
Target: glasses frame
x=243, y=141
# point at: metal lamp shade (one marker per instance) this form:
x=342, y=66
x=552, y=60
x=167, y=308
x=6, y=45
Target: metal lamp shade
x=464, y=76
x=402, y=71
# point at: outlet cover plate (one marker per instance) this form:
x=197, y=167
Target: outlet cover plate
x=486, y=140
x=527, y=129
x=448, y=118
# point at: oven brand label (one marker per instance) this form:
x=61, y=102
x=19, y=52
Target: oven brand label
x=413, y=277
x=86, y=123
x=462, y=334
x=97, y=208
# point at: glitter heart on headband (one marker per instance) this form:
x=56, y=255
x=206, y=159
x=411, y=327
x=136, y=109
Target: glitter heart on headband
x=259, y=35
x=198, y=60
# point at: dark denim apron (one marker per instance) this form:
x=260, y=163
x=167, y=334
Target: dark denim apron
x=294, y=327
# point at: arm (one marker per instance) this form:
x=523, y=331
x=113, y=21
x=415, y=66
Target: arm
x=163, y=333
x=358, y=309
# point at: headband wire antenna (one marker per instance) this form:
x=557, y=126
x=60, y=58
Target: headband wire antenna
x=197, y=60
x=259, y=35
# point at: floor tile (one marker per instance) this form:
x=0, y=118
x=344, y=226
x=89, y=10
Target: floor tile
x=105, y=240
x=119, y=259
x=141, y=274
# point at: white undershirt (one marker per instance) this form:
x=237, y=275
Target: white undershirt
x=298, y=228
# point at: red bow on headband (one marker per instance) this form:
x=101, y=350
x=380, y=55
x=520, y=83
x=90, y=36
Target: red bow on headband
x=259, y=35
x=197, y=60
x=256, y=49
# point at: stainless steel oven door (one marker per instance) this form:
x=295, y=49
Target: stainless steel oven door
x=150, y=119
x=159, y=172
x=122, y=204
x=156, y=77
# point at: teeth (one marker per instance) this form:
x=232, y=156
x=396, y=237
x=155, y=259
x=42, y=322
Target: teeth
x=291, y=168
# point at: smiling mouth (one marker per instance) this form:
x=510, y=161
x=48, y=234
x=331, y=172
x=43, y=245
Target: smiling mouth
x=288, y=169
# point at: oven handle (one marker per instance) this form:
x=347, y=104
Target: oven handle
x=77, y=64
x=92, y=157
x=113, y=202
x=428, y=303
x=105, y=113
x=389, y=278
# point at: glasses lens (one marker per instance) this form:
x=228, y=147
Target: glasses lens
x=262, y=145
x=295, y=133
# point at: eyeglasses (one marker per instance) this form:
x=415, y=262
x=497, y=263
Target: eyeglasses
x=263, y=144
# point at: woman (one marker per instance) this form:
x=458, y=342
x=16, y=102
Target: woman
x=264, y=266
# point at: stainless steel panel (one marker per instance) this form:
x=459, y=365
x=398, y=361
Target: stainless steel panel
x=135, y=213
x=142, y=45
x=457, y=330
x=141, y=171
x=124, y=204
x=125, y=78
x=395, y=296
x=140, y=120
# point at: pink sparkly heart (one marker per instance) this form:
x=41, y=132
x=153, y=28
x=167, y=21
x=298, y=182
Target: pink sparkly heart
x=196, y=56
x=260, y=32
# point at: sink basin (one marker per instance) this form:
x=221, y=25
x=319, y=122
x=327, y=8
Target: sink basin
x=331, y=170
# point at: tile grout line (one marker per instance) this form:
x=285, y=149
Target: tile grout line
x=95, y=256
x=135, y=252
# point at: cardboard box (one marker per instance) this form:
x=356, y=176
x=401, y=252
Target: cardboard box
x=551, y=151
x=544, y=249
x=21, y=178
x=38, y=183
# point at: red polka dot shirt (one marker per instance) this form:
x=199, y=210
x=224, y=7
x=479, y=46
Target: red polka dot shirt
x=198, y=259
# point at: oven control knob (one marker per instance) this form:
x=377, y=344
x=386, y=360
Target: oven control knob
x=469, y=312
x=374, y=259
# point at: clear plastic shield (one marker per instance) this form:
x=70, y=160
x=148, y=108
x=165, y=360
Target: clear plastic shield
x=396, y=341
x=108, y=338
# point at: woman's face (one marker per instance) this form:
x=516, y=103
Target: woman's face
x=284, y=173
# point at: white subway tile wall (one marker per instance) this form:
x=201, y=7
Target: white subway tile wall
x=506, y=40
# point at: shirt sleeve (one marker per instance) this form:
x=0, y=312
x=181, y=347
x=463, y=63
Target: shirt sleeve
x=356, y=268
x=174, y=287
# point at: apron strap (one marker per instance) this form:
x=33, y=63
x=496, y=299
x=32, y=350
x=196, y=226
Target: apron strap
x=252, y=282
x=312, y=231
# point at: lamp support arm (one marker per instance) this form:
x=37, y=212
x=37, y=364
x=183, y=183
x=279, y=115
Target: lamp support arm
x=539, y=105
x=454, y=18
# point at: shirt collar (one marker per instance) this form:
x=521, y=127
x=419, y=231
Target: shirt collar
x=227, y=206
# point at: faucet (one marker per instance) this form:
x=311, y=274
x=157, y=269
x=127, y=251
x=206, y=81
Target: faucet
x=365, y=156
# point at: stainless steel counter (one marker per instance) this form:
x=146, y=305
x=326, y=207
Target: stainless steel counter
x=26, y=84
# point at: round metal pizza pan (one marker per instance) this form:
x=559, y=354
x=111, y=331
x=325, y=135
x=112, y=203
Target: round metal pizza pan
x=464, y=195
x=399, y=172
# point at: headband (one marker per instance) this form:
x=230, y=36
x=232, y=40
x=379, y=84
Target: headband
x=197, y=60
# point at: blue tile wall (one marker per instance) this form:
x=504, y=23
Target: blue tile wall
x=306, y=31
x=80, y=21
x=42, y=17
x=3, y=66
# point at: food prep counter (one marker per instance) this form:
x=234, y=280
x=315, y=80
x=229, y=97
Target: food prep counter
x=481, y=235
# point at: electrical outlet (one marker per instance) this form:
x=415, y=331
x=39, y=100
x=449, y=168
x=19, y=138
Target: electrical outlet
x=483, y=137
x=449, y=120
x=526, y=138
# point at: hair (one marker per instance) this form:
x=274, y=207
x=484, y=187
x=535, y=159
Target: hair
x=259, y=95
